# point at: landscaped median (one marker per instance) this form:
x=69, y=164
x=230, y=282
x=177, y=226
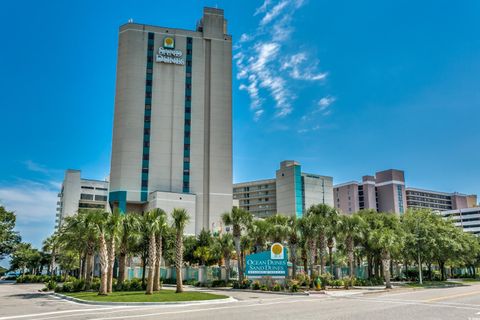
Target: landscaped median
x=139, y=297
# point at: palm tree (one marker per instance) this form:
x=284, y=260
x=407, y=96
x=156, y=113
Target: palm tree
x=239, y=219
x=51, y=244
x=331, y=234
x=388, y=239
x=99, y=219
x=258, y=232
x=322, y=212
x=153, y=222
x=227, y=246
x=162, y=224
x=278, y=229
x=350, y=228
x=113, y=227
x=130, y=235
x=293, y=241
x=180, y=220
x=307, y=226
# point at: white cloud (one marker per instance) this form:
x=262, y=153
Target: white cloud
x=324, y=103
x=32, y=201
x=259, y=63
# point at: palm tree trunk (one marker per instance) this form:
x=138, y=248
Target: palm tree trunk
x=386, y=268
x=158, y=260
x=151, y=263
x=88, y=270
x=236, y=239
x=293, y=258
x=227, y=268
x=111, y=262
x=330, y=258
x=122, y=262
x=103, y=255
x=322, y=252
x=52, y=263
x=313, y=251
x=179, y=260
x=351, y=272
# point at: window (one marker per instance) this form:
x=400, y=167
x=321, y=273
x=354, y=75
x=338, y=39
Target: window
x=188, y=98
x=189, y=51
x=148, y=82
x=146, y=131
x=188, y=110
x=150, y=35
x=103, y=189
x=144, y=183
x=150, y=47
x=148, y=94
x=85, y=196
x=187, y=134
x=149, y=58
x=188, y=86
x=144, y=170
x=85, y=187
x=189, y=40
x=186, y=146
x=100, y=198
x=188, y=122
x=188, y=74
x=147, y=119
x=145, y=157
x=148, y=107
x=189, y=63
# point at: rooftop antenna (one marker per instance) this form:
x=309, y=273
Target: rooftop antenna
x=130, y=20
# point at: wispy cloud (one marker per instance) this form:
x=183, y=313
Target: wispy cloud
x=36, y=167
x=324, y=105
x=263, y=66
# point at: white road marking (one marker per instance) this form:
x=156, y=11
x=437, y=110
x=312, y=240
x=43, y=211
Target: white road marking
x=207, y=309
x=58, y=312
x=406, y=302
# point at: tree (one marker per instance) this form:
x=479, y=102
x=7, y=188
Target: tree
x=162, y=225
x=307, y=226
x=350, y=228
x=51, y=245
x=8, y=237
x=258, y=231
x=227, y=247
x=388, y=239
x=419, y=235
x=25, y=257
x=113, y=229
x=293, y=239
x=154, y=221
x=278, y=227
x=99, y=220
x=331, y=232
x=180, y=220
x=239, y=219
x=130, y=236
x=322, y=213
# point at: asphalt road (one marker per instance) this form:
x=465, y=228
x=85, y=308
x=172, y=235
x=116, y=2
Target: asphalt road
x=23, y=302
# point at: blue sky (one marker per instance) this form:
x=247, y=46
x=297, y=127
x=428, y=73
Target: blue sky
x=347, y=88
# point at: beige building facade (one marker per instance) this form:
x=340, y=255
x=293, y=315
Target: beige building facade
x=173, y=120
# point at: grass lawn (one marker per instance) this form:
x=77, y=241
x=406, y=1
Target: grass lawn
x=140, y=296
x=437, y=284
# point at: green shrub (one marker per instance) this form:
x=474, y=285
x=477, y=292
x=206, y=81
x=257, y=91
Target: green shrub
x=277, y=287
x=294, y=287
x=256, y=285
x=219, y=283
x=50, y=285
x=263, y=288
x=325, y=280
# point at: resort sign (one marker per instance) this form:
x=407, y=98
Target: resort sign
x=168, y=54
x=272, y=263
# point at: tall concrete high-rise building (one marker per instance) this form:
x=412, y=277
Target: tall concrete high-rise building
x=386, y=192
x=78, y=193
x=292, y=192
x=172, y=134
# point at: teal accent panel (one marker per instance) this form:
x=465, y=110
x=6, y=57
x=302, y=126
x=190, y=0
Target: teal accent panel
x=298, y=191
x=262, y=264
x=121, y=198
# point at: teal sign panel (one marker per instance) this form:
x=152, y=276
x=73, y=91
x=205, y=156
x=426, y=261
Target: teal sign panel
x=263, y=264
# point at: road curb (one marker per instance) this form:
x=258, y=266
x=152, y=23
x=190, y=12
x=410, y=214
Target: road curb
x=212, y=301
x=260, y=291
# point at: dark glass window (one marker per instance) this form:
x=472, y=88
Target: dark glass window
x=188, y=98
x=148, y=82
x=150, y=58
x=149, y=70
x=146, y=144
x=150, y=35
x=85, y=196
x=189, y=40
x=187, y=122
x=147, y=119
x=145, y=183
x=100, y=198
x=186, y=146
x=188, y=74
x=188, y=86
x=148, y=106
x=188, y=110
x=187, y=134
x=146, y=157
x=189, y=63
x=148, y=94
x=146, y=131
x=189, y=51
x=150, y=47
x=144, y=170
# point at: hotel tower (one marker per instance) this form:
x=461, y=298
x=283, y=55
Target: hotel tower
x=172, y=132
